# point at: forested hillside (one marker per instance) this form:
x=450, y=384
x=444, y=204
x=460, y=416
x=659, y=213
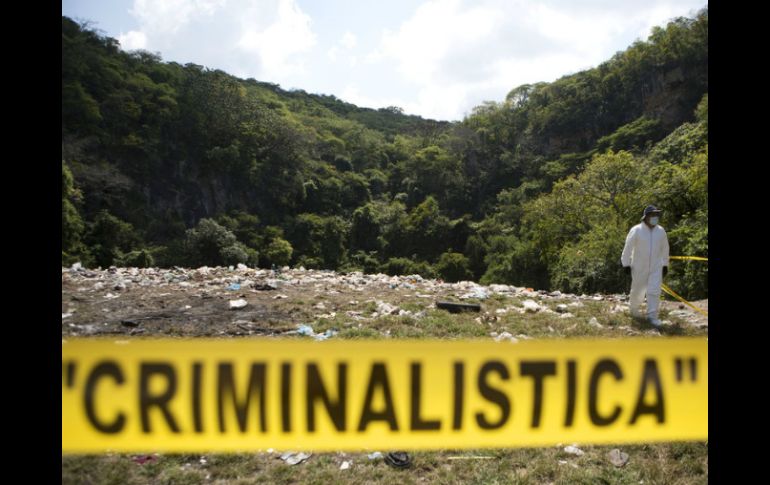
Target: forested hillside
x=178, y=165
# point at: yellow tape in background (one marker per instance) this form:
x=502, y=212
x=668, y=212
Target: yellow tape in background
x=251, y=394
x=693, y=258
x=671, y=292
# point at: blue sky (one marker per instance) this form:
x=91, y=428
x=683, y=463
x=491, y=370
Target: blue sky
x=434, y=58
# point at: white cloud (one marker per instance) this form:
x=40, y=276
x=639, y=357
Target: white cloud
x=349, y=40
x=267, y=39
x=578, y=34
x=659, y=15
x=441, y=101
x=168, y=16
x=455, y=51
x=289, y=34
x=332, y=53
x=133, y=40
x=352, y=94
x=445, y=58
x=428, y=38
x=435, y=102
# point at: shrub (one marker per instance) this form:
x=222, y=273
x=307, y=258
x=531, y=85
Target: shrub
x=278, y=252
x=212, y=245
x=136, y=259
x=454, y=267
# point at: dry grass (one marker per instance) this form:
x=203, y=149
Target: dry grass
x=675, y=463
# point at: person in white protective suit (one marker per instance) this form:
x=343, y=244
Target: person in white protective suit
x=645, y=257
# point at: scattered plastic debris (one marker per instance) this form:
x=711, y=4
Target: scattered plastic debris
x=189, y=300
x=308, y=331
x=617, y=457
x=386, y=308
x=264, y=287
x=505, y=336
x=531, y=306
x=238, y=304
x=305, y=330
x=292, y=458
x=574, y=450
x=477, y=292
x=327, y=334
x=398, y=459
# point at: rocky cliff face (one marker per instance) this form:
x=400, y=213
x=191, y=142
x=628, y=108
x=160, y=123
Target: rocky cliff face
x=673, y=94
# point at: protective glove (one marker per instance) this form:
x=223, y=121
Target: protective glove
x=665, y=271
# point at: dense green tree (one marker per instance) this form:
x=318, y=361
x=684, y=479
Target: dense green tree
x=407, y=266
x=136, y=259
x=515, y=261
x=432, y=172
x=365, y=262
x=278, y=252
x=210, y=244
x=454, y=267
x=72, y=226
x=321, y=240
x=476, y=250
x=110, y=237
x=632, y=136
x=690, y=238
x=245, y=226
x=427, y=229
x=365, y=230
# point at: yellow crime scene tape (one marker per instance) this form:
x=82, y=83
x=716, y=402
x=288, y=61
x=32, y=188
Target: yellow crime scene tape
x=204, y=395
x=672, y=293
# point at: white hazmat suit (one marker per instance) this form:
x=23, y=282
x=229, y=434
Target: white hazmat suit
x=646, y=252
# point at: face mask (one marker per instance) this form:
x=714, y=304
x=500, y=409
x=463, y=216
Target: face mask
x=654, y=221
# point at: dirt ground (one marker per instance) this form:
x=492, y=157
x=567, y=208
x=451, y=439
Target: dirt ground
x=695, y=318
x=196, y=302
